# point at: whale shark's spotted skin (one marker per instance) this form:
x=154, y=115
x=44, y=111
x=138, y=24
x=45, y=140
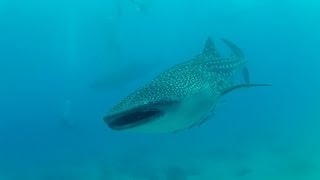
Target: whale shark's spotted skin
x=171, y=101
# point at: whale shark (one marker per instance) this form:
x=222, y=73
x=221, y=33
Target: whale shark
x=184, y=96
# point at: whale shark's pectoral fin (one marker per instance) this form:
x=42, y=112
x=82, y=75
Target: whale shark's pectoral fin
x=226, y=91
x=209, y=49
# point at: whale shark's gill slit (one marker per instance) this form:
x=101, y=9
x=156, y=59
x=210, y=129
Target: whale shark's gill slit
x=133, y=118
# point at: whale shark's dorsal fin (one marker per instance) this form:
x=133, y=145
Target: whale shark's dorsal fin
x=209, y=49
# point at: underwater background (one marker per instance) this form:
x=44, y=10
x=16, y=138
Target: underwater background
x=64, y=63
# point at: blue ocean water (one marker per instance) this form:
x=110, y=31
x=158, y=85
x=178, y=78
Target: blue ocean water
x=63, y=64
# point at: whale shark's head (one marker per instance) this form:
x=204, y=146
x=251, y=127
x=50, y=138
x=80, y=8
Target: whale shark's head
x=162, y=116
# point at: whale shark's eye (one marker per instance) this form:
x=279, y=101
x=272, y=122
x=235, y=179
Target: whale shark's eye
x=134, y=118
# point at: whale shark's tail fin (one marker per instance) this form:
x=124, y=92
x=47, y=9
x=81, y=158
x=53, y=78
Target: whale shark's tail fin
x=234, y=48
x=238, y=53
x=245, y=71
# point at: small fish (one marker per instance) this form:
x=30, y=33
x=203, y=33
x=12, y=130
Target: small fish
x=183, y=96
x=243, y=172
x=66, y=120
x=121, y=76
x=141, y=6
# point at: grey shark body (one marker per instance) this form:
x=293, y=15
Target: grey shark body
x=182, y=97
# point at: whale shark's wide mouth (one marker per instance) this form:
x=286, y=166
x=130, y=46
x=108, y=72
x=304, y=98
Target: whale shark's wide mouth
x=139, y=115
x=132, y=118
